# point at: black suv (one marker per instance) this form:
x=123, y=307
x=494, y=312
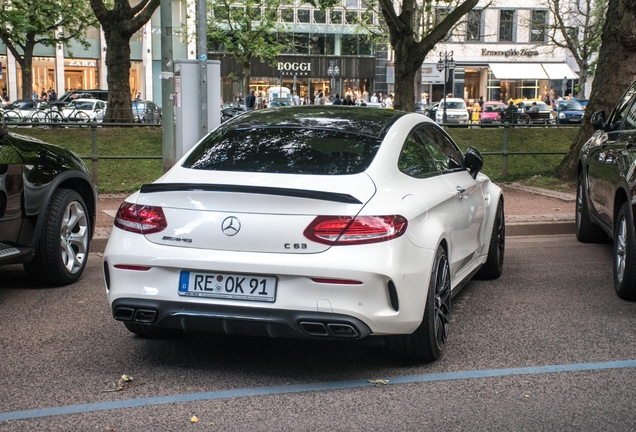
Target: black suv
x=67, y=97
x=606, y=187
x=48, y=204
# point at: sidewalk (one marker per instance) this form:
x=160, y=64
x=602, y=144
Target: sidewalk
x=529, y=211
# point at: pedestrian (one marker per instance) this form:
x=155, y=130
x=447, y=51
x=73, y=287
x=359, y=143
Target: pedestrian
x=296, y=99
x=52, y=95
x=337, y=100
x=35, y=94
x=348, y=100
x=43, y=95
x=388, y=102
x=250, y=101
x=374, y=98
x=481, y=103
x=320, y=99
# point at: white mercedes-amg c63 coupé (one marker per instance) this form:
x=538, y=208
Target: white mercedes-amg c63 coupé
x=314, y=222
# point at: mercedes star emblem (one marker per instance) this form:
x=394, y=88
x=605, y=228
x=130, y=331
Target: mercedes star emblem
x=230, y=226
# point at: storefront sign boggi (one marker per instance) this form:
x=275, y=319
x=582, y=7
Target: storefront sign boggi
x=294, y=68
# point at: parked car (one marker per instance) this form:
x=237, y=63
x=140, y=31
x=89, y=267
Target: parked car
x=232, y=110
x=78, y=109
x=491, y=112
x=456, y=111
x=543, y=116
x=430, y=109
x=275, y=102
x=146, y=112
x=47, y=209
x=569, y=111
x=28, y=109
x=318, y=222
x=72, y=95
x=606, y=185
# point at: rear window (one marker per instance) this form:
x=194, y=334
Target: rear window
x=284, y=150
x=453, y=105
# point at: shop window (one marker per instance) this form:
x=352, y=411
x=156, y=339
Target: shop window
x=303, y=15
x=366, y=18
x=351, y=18
x=335, y=16
x=220, y=12
x=440, y=14
x=538, y=26
x=287, y=40
x=301, y=43
x=365, y=44
x=349, y=44
x=322, y=43
x=256, y=13
x=351, y=4
x=287, y=15
x=473, y=25
x=320, y=17
x=506, y=25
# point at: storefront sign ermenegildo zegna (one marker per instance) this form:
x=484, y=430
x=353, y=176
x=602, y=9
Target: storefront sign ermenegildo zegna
x=523, y=52
x=294, y=68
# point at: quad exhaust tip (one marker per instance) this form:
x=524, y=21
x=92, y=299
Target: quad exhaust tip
x=145, y=316
x=339, y=330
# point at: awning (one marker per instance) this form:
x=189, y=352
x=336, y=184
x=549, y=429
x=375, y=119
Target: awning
x=518, y=71
x=558, y=71
x=430, y=74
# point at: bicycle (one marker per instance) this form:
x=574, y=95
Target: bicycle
x=515, y=117
x=10, y=115
x=76, y=115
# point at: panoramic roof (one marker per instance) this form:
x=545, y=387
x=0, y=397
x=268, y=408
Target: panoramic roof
x=358, y=120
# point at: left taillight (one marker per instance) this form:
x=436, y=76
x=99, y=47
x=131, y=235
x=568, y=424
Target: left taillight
x=345, y=230
x=140, y=219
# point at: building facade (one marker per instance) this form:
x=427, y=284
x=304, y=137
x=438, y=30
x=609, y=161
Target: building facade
x=502, y=52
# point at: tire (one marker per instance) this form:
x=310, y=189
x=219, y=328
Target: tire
x=37, y=120
x=524, y=119
x=625, y=255
x=586, y=230
x=11, y=117
x=428, y=341
x=493, y=266
x=152, y=331
x=62, y=251
x=54, y=118
x=82, y=119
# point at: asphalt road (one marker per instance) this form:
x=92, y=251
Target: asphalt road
x=547, y=347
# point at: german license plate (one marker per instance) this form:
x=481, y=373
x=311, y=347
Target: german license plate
x=228, y=286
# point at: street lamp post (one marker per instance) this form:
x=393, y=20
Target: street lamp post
x=333, y=71
x=446, y=64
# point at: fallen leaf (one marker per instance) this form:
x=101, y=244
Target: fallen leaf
x=556, y=209
x=124, y=382
x=379, y=381
x=528, y=396
x=112, y=429
x=194, y=419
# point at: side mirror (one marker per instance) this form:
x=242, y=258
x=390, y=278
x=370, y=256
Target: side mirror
x=598, y=120
x=474, y=161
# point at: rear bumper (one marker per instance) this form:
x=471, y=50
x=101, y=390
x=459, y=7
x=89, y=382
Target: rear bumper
x=239, y=320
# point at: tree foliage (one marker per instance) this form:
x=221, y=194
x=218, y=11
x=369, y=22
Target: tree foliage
x=614, y=73
x=27, y=23
x=247, y=29
x=120, y=20
x=577, y=27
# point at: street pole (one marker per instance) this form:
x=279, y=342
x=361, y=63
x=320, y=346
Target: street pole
x=446, y=64
x=202, y=51
x=169, y=149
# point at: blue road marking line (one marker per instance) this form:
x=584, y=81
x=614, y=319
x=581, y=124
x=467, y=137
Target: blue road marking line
x=299, y=388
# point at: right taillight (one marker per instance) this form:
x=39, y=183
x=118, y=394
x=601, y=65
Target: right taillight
x=345, y=230
x=140, y=219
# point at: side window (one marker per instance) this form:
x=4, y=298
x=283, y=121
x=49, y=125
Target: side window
x=447, y=155
x=416, y=159
x=620, y=111
x=630, y=118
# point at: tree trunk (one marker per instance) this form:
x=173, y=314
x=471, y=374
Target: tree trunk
x=26, y=66
x=582, y=80
x=615, y=72
x=118, y=62
x=406, y=66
